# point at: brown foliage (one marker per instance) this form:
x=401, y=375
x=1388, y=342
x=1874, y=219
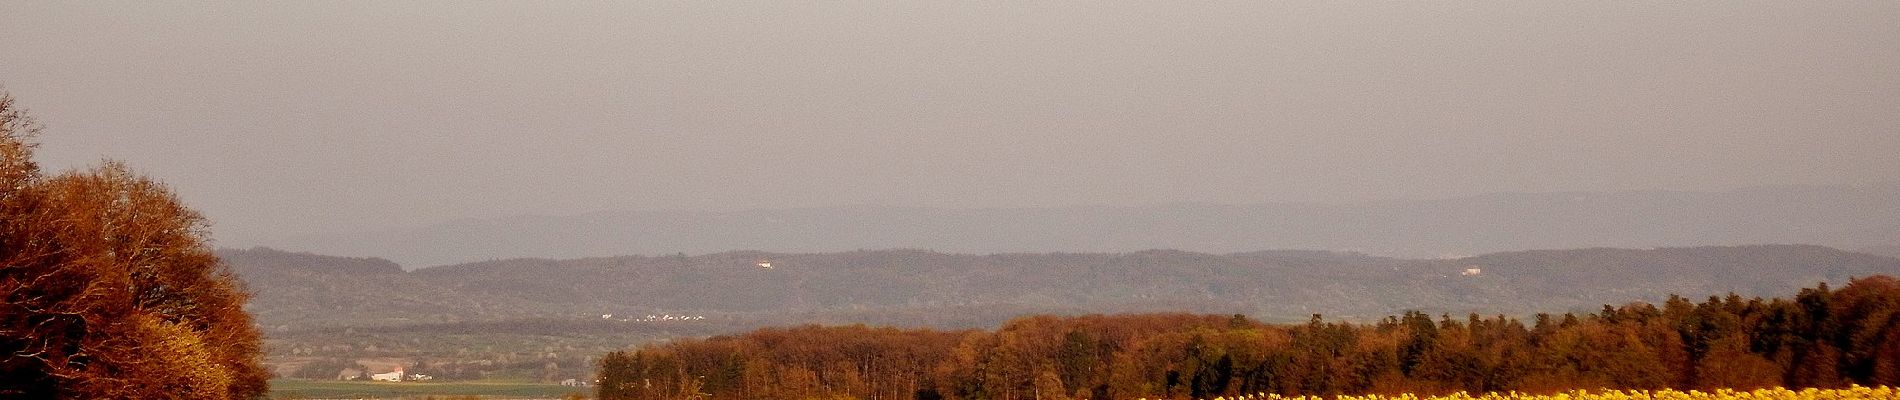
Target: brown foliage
x=1822, y=338
x=111, y=290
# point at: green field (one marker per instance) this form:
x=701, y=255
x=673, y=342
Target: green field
x=309, y=389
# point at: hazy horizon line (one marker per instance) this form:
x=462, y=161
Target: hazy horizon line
x=1335, y=203
x=1346, y=253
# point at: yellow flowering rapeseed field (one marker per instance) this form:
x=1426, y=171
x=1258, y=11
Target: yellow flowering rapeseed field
x=1853, y=392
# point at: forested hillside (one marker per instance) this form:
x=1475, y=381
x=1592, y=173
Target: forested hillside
x=543, y=319
x=298, y=291
x=1818, y=338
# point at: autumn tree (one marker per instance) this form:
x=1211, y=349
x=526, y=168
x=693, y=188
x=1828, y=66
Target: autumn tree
x=111, y=289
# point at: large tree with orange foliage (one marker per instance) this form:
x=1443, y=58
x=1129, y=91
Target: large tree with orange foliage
x=110, y=287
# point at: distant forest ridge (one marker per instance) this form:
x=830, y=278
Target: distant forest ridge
x=302, y=291
x=1848, y=217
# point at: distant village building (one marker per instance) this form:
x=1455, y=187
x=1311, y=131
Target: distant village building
x=349, y=374
x=1473, y=271
x=392, y=376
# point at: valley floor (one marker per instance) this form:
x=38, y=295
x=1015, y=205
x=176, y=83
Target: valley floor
x=317, y=389
x=1850, y=393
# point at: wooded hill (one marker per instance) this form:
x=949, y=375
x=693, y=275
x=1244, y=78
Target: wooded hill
x=297, y=291
x=542, y=319
x=1820, y=337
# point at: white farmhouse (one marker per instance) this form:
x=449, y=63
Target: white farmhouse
x=392, y=376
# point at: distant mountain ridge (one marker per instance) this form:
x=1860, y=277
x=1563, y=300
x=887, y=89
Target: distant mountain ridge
x=1851, y=217
x=916, y=287
x=1890, y=251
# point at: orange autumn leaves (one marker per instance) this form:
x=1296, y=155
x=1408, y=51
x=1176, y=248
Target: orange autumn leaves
x=110, y=288
x=1821, y=337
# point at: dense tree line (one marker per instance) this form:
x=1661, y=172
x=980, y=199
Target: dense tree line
x=108, y=289
x=1820, y=338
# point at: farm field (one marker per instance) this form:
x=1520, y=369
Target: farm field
x=306, y=389
x=1854, y=392
x=312, y=389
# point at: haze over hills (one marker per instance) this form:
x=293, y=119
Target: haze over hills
x=1890, y=251
x=297, y=291
x=1848, y=217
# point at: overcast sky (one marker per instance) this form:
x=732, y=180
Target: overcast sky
x=290, y=117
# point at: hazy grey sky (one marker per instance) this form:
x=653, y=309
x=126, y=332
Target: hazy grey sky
x=278, y=117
